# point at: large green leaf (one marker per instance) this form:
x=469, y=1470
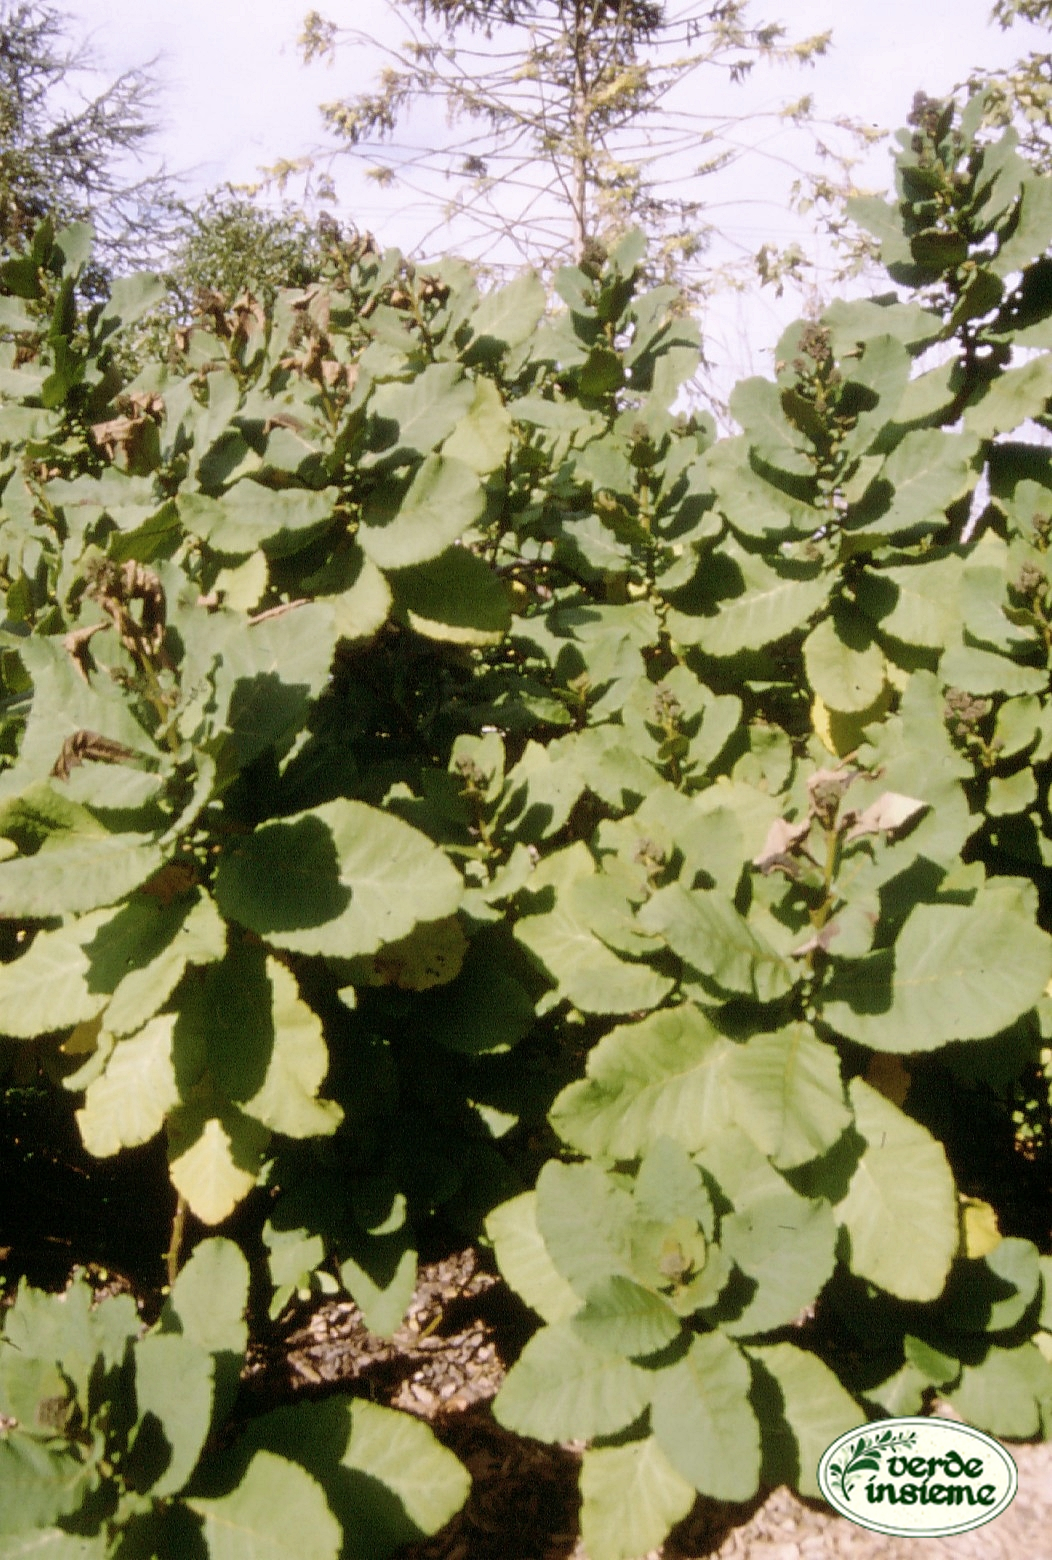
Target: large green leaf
x=561, y=1389
x=756, y=404
x=1003, y=1392
x=142, y=952
x=39, y=1483
x=985, y=672
x=1011, y=399
x=665, y=1076
x=249, y=515
x=584, y=1220
x=207, y=1302
x=456, y=597
x=770, y=604
x=754, y=506
x=572, y=950
x=128, y=1104
x=786, y=1247
x=84, y=874
x=788, y=1095
x=275, y=1511
x=812, y=1410
x=505, y=317
x=631, y=1496
x=703, y=1421
x=621, y=1317
x=482, y=438
x=916, y=602
x=925, y=473
x=956, y=972
x=174, y=1386
x=286, y=1100
x=342, y=879
x=403, y=526
x=523, y=1259
x=214, y=1160
x=900, y=1209
x=412, y=417
x=705, y=929
x=388, y=1480
x=47, y=988
x=844, y=665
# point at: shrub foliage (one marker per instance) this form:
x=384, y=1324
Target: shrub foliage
x=441, y=775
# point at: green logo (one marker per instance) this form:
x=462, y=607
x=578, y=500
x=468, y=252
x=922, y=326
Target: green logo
x=914, y=1476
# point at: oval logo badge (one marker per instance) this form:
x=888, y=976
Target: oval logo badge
x=917, y=1477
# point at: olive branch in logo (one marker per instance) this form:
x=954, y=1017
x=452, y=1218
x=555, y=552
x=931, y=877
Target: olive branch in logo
x=865, y=1455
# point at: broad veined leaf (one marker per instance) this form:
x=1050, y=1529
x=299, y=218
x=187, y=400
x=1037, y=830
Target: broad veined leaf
x=813, y=1410
x=1011, y=399
x=669, y=1187
x=456, y=598
x=584, y=1219
x=129, y=1103
x=581, y=964
x=754, y=506
x=915, y=603
x=703, y=1421
x=787, y=1246
x=955, y=972
x=505, y=317
x=207, y=1302
x=859, y=319
x=47, y=987
x=1003, y=1393
x=286, y=1100
x=900, y=1209
x=985, y=672
x=140, y=953
x=883, y=374
x=788, y=1094
x=249, y=515
x=403, y=526
x=275, y=1511
x=85, y=874
x=482, y=438
x=361, y=608
x=561, y=1389
x=523, y=1259
x=925, y=473
x=705, y=929
x=631, y=1496
x=770, y=605
x=214, y=1161
x=342, y=880
x=665, y=1076
x=756, y=404
x=410, y=418
x=245, y=1029
x=387, y=1478
x=404, y=1457
x=844, y=665
x=40, y=1483
x=174, y=1386
x=621, y=1317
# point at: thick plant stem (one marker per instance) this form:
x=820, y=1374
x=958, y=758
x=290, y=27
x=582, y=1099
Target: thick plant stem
x=171, y=1256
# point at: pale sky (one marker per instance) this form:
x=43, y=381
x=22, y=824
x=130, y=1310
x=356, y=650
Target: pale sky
x=236, y=95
